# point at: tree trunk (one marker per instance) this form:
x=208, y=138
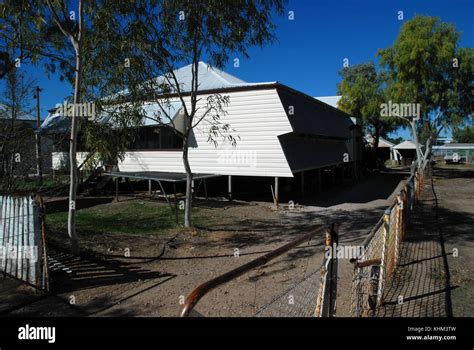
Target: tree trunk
x=189, y=184
x=71, y=224
x=375, y=147
x=73, y=161
x=427, y=155
x=419, y=153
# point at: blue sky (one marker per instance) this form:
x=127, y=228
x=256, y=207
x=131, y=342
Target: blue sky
x=311, y=48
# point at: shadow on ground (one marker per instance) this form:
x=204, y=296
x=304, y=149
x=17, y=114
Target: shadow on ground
x=423, y=285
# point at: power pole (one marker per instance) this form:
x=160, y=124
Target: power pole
x=39, y=170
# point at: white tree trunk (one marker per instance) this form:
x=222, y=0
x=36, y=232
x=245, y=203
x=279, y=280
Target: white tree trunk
x=71, y=224
x=189, y=185
x=419, y=153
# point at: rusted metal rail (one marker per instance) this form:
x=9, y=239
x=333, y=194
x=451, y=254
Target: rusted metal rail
x=367, y=263
x=199, y=292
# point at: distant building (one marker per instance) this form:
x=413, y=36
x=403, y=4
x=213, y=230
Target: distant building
x=23, y=142
x=406, y=151
x=454, y=152
x=444, y=140
x=23, y=118
x=385, y=149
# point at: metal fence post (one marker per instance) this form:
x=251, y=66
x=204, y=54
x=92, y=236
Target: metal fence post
x=415, y=182
x=404, y=211
x=411, y=196
x=333, y=273
x=399, y=230
x=44, y=252
x=326, y=301
x=386, y=232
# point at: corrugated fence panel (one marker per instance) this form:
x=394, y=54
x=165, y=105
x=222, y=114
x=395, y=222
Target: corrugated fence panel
x=20, y=239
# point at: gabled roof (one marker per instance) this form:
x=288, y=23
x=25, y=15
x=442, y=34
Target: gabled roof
x=212, y=80
x=55, y=123
x=313, y=117
x=333, y=101
x=382, y=142
x=209, y=78
x=406, y=145
x=330, y=100
x=5, y=113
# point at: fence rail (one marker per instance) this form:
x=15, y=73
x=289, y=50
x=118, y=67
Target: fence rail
x=381, y=250
x=22, y=246
x=199, y=292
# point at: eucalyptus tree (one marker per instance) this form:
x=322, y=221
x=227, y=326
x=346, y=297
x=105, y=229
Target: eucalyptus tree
x=76, y=40
x=19, y=44
x=170, y=34
x=86, y=56
x=17, y=160
x=16, y=41
x=428, y=68
x=362, y=91
x=465, y=134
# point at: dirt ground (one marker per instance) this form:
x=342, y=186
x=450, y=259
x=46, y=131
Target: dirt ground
x=436, y=267
x=455, y=190
x=162, y=269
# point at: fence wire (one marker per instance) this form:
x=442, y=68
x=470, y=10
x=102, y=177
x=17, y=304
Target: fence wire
x=297, y=301
x=379, y=259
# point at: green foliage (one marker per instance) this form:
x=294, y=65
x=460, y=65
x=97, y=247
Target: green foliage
x=464, y=135
x=393, y=140
x=164, y=35
x=426, y=66
x=363, y=91
x=19, y=39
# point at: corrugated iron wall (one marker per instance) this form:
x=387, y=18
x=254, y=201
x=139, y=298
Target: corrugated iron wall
x=20, y=239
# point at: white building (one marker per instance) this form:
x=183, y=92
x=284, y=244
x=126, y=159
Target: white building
x=280, y=132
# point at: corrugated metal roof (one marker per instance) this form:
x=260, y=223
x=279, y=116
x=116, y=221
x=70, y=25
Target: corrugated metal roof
x=330, y=100
x=406, y=145
x=209, y=78
x=55, y=123
x=455, y=145
x=333, y=101
x=382, y=142
x=5, y=113
x=310, y=116
x=154, y=115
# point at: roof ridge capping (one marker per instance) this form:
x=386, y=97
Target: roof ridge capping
x=222, y=75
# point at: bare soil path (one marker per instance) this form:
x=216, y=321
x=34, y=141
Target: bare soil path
x=435, y=273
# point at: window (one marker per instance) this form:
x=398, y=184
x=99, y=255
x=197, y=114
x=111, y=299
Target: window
x=157, y=138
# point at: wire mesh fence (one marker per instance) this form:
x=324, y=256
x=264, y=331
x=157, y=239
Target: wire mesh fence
x=298, y=301
x=314, y=295
x=290, y=281
x=381, y=250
